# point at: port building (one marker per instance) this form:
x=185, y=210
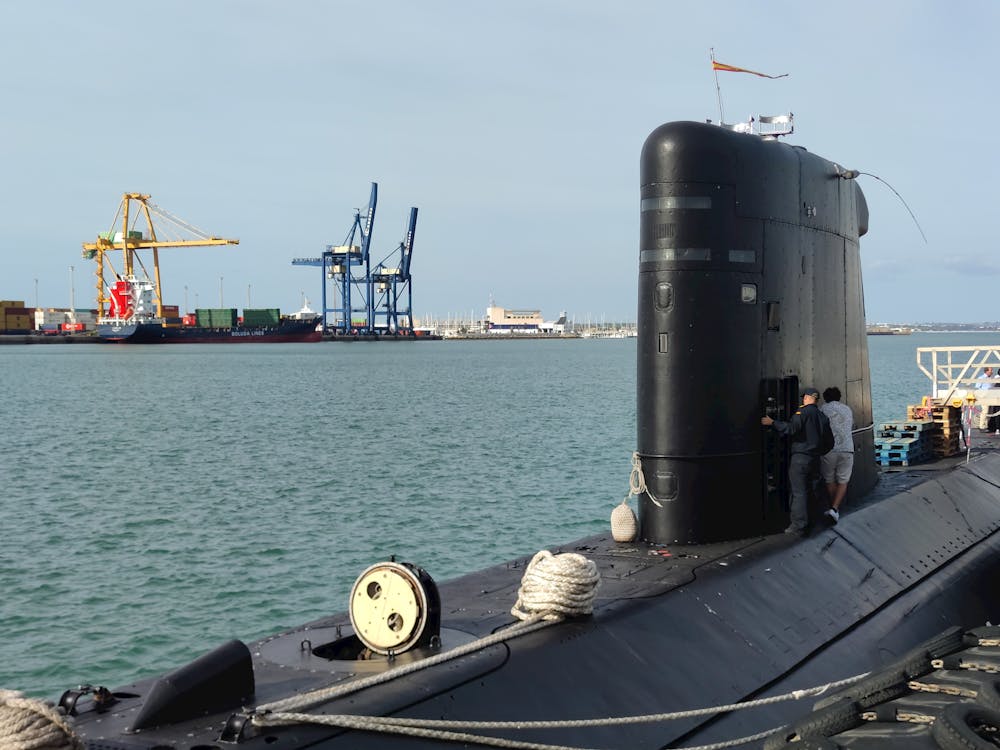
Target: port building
x=503, y=320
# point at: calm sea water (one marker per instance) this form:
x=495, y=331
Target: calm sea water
x=157, y=501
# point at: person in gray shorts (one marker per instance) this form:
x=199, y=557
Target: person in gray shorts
x=837, y=465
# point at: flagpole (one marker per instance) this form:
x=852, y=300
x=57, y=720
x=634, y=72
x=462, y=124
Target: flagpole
x=718, y=91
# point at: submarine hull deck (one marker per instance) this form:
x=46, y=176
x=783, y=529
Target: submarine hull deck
x=674, y=627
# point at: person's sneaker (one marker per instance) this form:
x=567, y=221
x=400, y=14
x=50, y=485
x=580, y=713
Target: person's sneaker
x=796, y=531
x=833, y=515
x=997, y=432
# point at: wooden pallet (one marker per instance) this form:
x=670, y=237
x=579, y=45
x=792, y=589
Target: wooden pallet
x=945, y=448
x=887, y=434
x=944, y=414
x=897, y=462
x=901, y=443
x=901, y=452
x=912, y=425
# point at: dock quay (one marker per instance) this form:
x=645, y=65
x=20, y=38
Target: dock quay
x=954, y=416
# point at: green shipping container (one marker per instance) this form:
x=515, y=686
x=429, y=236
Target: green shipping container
x=216, y=317
x=269, y=316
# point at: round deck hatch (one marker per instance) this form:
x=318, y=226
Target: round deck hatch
x=389, y=607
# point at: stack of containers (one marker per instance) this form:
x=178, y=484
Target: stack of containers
x=15, y=317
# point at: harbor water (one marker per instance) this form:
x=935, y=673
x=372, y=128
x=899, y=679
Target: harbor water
x=159, y=500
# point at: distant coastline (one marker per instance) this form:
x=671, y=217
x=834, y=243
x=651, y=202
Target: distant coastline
x=896, y=328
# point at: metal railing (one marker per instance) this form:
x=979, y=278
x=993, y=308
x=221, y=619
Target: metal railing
x=951, y=368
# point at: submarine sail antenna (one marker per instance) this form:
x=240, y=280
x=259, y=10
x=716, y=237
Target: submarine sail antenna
x=718, y=90
x=851, y=174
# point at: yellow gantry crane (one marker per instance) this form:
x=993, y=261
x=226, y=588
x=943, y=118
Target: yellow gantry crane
x=130, y=240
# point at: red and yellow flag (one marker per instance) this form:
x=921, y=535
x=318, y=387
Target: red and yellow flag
x=733, y=69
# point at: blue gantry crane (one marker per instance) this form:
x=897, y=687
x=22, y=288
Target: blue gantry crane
x=390, y=282
x=364, y=300
x=348, y=268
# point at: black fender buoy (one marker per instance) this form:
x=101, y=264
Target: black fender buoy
x=966, y=726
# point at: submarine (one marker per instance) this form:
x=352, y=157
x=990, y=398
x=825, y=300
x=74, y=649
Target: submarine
x=749, y=289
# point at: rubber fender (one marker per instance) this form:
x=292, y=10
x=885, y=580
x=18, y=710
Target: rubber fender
x=917, y=662
x=972, y=636
x=988, y=693
x=947, y=642
x=962, y=726
x=813, y=743
x=884, y=685
x=838, y=717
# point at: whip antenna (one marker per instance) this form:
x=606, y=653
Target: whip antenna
x=850, y=174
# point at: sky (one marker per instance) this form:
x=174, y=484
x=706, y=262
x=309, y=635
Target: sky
x=515, y=127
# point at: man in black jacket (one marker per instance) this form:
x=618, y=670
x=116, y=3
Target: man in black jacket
x=805, y=431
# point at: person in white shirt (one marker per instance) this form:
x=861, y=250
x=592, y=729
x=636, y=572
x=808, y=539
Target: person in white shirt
x=837, y=465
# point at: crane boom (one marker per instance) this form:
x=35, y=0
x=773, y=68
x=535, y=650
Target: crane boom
x=126, y=297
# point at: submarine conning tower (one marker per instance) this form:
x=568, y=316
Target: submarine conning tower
x=749, y=288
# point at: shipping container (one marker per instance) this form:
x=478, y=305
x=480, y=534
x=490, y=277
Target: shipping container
x=216, y=317
x=171, y=311
x=73, y=327
x=15, y=323
x=190, y=320
x=5, y=303
x=268, y=316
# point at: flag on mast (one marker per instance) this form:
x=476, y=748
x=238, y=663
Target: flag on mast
x=733, y=69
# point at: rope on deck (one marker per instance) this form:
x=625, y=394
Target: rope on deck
x=31, y=724
x=445, y=730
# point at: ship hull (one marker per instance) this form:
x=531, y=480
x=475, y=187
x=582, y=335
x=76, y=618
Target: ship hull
x=295, y=331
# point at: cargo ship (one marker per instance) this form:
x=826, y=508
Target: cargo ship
x=133, y=320
x=130, y=306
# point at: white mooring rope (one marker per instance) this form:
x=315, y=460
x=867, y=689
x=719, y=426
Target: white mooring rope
x=445, y=730
x=637, y=481
x=31, y=724
x=557, y=586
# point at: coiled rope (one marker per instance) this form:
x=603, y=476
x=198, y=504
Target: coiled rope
x=31, y=724
x=637, y=481
x=557, y=586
